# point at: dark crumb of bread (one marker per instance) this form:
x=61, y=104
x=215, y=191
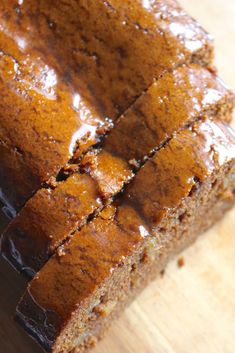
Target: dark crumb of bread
x=181, y=262
x=134, y=163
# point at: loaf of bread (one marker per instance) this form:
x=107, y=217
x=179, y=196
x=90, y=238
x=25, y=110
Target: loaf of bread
x=71, y=301
x=114, y=144
x=53, y=214
x=65, y=70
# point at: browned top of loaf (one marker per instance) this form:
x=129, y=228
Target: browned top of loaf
x=64, y=69
x=52, y=215
x=89, y=258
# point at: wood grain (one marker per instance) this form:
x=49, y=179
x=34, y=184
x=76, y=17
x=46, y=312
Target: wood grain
x=192, y=308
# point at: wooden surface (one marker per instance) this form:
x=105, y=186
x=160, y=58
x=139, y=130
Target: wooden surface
x=191, y=309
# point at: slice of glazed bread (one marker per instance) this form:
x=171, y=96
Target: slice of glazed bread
x=73, y=299
x=66, y=66
x=52, y=215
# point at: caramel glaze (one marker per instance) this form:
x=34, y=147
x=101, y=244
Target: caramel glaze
x=52, y=215
x=39, y=126
x=64, y=69
x=81, y=266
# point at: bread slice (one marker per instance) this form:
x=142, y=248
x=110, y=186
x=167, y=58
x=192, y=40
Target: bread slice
x=55, y=213
x=87, y=283
x=65, y=69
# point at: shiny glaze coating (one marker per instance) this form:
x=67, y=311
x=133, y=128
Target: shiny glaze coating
x=53, y=213
x=177, y=169
x=82, y=265
x=98, y=51
x=171, y=103
x=64, y=70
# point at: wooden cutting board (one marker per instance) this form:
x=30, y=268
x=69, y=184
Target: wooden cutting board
x=191, y=309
